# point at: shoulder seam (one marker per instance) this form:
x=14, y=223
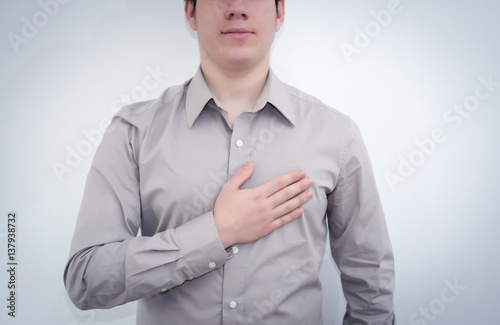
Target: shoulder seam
x=294, y=92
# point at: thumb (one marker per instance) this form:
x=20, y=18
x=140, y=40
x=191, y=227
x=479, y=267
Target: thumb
x=241, y=175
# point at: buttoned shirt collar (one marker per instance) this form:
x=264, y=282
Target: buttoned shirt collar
x=274, y=93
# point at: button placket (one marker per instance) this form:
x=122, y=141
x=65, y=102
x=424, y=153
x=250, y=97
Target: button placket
x=234, y=277
x=238, y=152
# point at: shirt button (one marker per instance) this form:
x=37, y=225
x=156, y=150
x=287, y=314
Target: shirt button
x=235, y=249
x=239, y=143
x=162, y=290
x=211, y=265
x=233, y=304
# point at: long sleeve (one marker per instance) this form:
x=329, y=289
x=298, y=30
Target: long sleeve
x=359, y=239
x=109, y=264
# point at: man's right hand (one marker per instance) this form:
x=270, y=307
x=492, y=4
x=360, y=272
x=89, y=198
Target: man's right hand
x=245, y=215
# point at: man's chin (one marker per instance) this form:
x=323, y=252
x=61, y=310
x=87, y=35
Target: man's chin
x=245, y=63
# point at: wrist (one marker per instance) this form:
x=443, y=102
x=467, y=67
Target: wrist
x=225, y=235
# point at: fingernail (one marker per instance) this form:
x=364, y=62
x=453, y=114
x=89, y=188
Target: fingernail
x=309, y=182
x=248, y=165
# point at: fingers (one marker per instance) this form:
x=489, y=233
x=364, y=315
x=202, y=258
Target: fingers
x=291, y=205
x=243, y=216
x=282, y=182
x=283, y=220
x=290, y=210
x=290, y=191
x=241, y=176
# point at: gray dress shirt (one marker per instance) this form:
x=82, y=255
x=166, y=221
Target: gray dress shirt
x=159, y=169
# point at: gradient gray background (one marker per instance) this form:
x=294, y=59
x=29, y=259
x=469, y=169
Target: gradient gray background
x=443, y=219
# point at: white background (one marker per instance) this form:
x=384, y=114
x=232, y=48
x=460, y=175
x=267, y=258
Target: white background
x=64, y=77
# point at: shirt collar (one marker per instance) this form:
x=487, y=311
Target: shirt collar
x=275, y=93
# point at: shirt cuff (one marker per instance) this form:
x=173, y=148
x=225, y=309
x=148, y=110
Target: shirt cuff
x=200, y=245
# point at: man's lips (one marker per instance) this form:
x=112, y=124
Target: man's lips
x=237, y=33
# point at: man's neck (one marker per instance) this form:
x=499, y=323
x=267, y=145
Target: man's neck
x=236, y=90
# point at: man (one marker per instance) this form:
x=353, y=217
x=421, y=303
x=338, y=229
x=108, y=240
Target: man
x=213, y=173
